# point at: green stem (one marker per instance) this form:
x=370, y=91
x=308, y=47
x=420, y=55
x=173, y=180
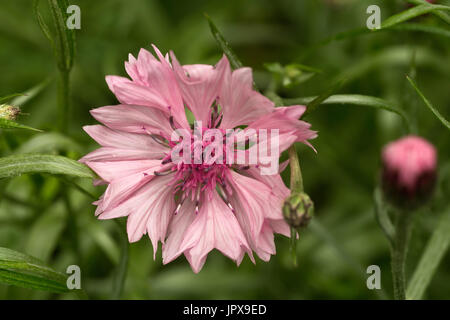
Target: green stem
x=399, y=251
x=296, y=172
x=121, y=273
x=63, y=100
x=294, y=245
x=72, y=226
x=382, y=215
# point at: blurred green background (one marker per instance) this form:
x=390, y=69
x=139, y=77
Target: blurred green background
x=333, y=253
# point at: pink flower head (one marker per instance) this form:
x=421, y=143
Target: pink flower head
x=409, y=169
x=192, y=208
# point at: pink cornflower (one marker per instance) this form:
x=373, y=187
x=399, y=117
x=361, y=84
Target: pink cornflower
x=191, y=208
x=409, y=170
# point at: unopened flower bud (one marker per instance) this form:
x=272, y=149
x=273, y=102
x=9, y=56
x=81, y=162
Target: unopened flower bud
x=9, y=112
x=298, y=209
x=409, y=171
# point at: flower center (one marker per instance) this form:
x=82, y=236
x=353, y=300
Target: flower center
x=198, y=161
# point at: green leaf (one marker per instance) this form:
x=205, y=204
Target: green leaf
x=411, y=13
x=48, y=142
x=10, y=96
x=63, y=41
x=422, y=28
x=104, y=240
x=336, y=37
x=434, y=252
x=25, y=271
x=29, y=94
x=226, y=48
x=35, y=163
x=234, y=60
x=43, y=235
x=65, y=37
x=9, y=124
x=45, y=29
x=314, y=103
x=354, y=99
x=445, y=17
x=428, y=104
x=365, y=31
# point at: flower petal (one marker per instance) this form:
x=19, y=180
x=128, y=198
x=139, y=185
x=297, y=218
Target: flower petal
x=127, y=143
x=124, y=185
x=256, y=206
x=152, y=201
x=200, y=85
x=153, y=85
x=266, y=243
x=177, y=230
x=116, y=170
x=240, y=103
x=274, y=182
x=135, y=119
x=116, y=154
x=290, y=129
x=215, y=226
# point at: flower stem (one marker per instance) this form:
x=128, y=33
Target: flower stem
x=63, y=100
x=399, y=251
x=382, y=215
x=72, y=227
x=121, y=272
x=294, y=245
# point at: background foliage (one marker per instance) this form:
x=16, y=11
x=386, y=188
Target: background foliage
x=45, y=216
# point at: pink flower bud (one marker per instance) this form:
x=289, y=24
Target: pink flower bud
x=409, y=171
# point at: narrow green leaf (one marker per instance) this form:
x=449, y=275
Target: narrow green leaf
x=65, y=37
x=354, y=99
x=336, y=37
x=29, y=94
x=421, y=28
x=9, y=124
x=445, y=17
x=365, y=31
x=45, y=29
x=35, y=163
x=313, y=104
x=234, y=60
x=43, y=235
x=22, y=270
x=428, y=104
x=434, y=252
x=10, y=96
x=48, y=142
x=104, y=240
x=411, y=13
